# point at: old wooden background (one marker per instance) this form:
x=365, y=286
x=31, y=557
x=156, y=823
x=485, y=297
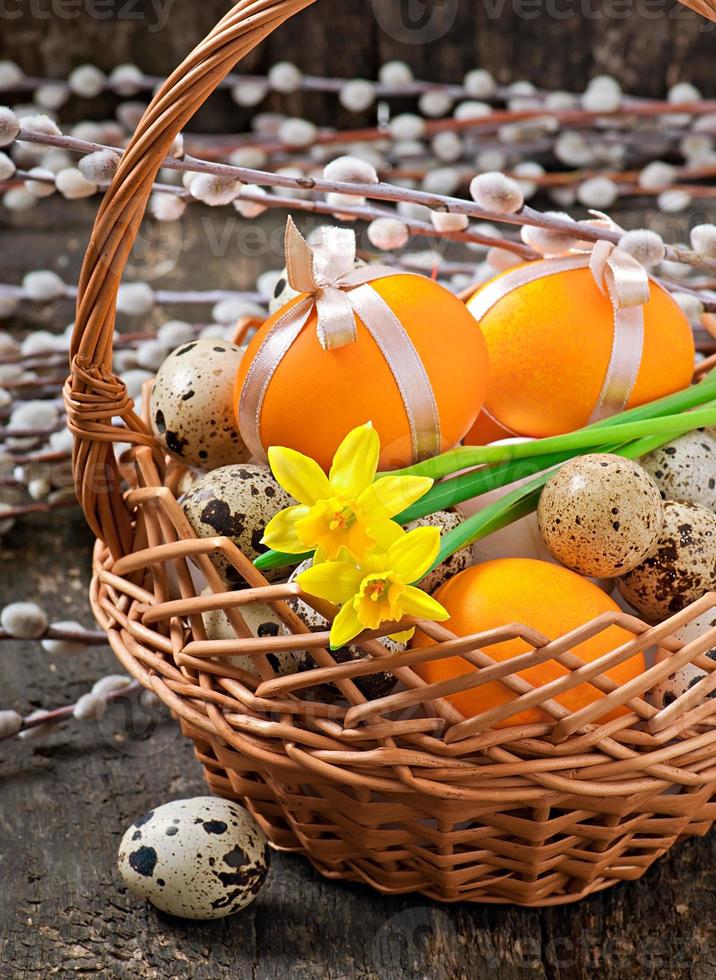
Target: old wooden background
x=66, y=799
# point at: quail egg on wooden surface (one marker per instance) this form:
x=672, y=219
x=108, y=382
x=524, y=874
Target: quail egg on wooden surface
x=600, y=514
x=372, y=685
x=262, y=621
x=680, y=567
x=685, y=469
x=202, y=858
x=445, y=520
x=676, y=684
x=191, y=406
x=237, y=502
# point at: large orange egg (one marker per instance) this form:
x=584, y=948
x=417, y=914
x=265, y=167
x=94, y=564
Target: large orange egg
x=547, y=597
x=549, y=342
x=316, y=396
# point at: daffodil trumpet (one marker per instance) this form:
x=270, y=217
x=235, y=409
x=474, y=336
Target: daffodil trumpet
x=379, y=588
x=347, y=512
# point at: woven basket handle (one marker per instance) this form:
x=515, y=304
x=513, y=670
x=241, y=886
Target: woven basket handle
x=94, y=396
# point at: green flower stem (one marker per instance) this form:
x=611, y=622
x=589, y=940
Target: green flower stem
x=591, y=437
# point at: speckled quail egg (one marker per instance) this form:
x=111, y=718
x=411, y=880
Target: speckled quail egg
x=201, y=858
x=674, y=685
x=445, y=520
x=238, y=502
x=681, y=566
x=685, y=469
x=372, y=685
x=600, y=514
x=192, y=404
x=262, y=621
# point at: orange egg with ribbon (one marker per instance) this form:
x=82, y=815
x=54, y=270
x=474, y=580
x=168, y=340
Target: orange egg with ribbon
x=360, y=344
x=576, y=338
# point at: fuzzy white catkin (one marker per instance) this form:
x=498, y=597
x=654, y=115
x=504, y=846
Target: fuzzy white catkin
x=61, y=442
x=51, y=95
x=603, y=94
x=230, y=310
x=43, y=285
x=673, y=201
x=441, y=180
x=89, y=707
x=447, y=147
x=150, y=354
x=395, y=74
x=697, y=148
x=548, y=241
x=500, y=259
x=126, y=80
x=219, y=330
x=41, y=182
x=56, y=159
x=166, y=207
x=250, y=209
x=357, y=95
x=339, y=201
x=11, y=75
x=8, y=305
x=472, y=109
x=60, y=647
x=350, y=170
x=9, y=125
x=72, y=184
x=8, y=345
x=110, y=682
x=645, y=245
x=479, y=84
x=7, y=167
x=133, y=381
x=129, y=113
x=407, y=126
x=691, y=306
x=388, y=234
x=249, y=92
x=297, y=174
x=676, y=270
x=135, y=298
x=297, y=133
x=435, y=103
x=24, y=620
x=39, y=488
x=87, y=81
x=36, y=731
x=444, y=221
x=496, y=192
x=572, y=149
x=703, y=240
x=558, y=100
x=175, y=332
x=34, y=414
x=597, y=192
x=10, y=723
x=285, y=77
x=214, y=190
x=41, y=123
x=683, y=92
x=99, y=167
x=527, y=169
x=413, y=211
x=252, y=157
x=657, y=174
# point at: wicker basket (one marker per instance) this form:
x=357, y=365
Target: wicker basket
x=401, y=792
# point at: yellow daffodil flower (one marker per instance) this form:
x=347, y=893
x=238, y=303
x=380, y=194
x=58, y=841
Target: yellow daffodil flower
x=377, y=589
x=345, y=510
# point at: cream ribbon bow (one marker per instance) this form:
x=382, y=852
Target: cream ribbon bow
x=340, y=293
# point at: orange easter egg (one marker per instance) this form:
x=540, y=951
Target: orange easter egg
x=550, y=342
x=546, y=597
x=315, y=396
x=484, y=431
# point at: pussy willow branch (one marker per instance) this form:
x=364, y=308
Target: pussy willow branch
x=378, y=191
x=55, y=715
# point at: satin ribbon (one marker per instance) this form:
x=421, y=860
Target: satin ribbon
x=620, y=277
x=338, y=293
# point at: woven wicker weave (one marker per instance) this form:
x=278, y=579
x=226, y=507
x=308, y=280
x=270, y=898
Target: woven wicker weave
x=401, y=792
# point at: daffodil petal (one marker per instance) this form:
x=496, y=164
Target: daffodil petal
x=299, y=475
x=417, y=603
x=355, y=462
x=391, y=494
x=403, y=637
x=280, y=533
x=334, y=581
x=385, y=533
x=345, y=627
x=412, y=555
